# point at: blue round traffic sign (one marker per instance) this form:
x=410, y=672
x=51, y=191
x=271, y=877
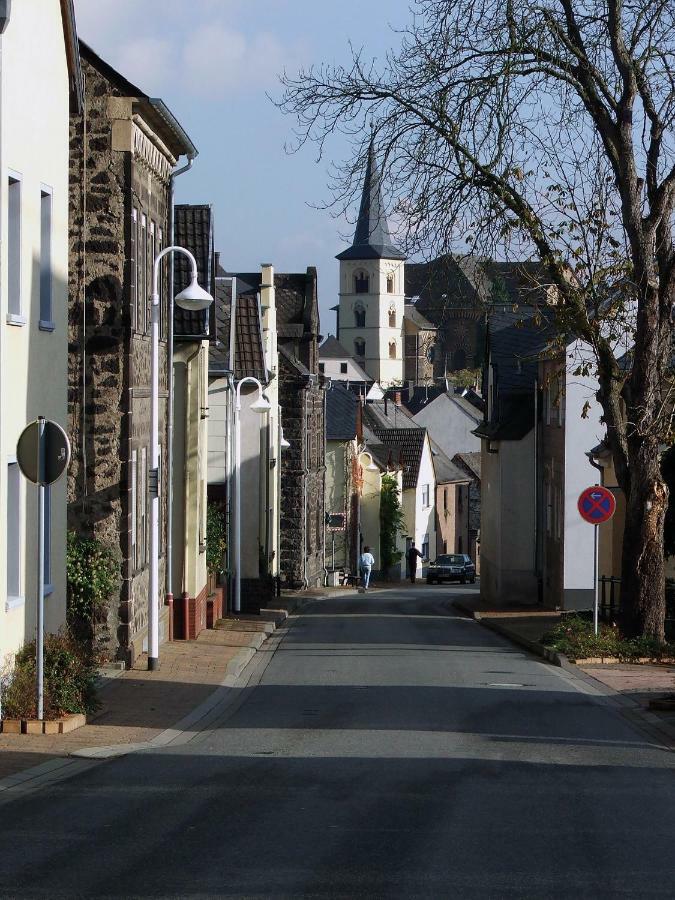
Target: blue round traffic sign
x=596, y=505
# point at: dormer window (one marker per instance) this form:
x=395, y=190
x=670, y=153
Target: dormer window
x=359, y=315
x=359, y=348
x=390, y=283
x=361, y=283
x=392, y=317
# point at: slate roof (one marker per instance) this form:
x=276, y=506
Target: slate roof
x=333, y=349
x=249, y=359
x=470, y=462
x=406, y=444
x=341, y=413
x=372, y=239
x=291, y=291
x=422, y=396
x=515, y=339
x=446, y=471
x=193, y=229
x=471, y=283
x=379, y=414
x=411, y=312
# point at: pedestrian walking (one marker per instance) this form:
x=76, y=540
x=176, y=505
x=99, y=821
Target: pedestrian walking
x=366, y=564
x=411, y=556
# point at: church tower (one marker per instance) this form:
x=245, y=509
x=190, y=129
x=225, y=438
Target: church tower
x=372, y=292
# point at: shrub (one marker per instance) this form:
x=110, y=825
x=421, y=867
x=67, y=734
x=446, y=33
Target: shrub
x=391, y=522
x=215, y=538
x=574, y=637
x=92, y=575
x=69, y=680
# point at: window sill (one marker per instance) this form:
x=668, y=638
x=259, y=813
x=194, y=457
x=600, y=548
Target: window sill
x=46, y=325
x=15, y=319
x=14, y=603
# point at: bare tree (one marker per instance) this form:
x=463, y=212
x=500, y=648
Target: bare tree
x=541, y=130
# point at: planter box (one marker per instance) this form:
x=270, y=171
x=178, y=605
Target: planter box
x=39, y=726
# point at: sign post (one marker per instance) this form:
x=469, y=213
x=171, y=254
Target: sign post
x=43, y=454
x=596, y=505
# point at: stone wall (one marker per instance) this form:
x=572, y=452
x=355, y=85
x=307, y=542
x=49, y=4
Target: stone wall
x=109, y=362
x=303, y=473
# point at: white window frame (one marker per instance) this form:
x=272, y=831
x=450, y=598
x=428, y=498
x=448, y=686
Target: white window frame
x=143, y=253
x=14, y=186
x=134, y=275
x=426, y=496
x=14, y=535
x=133, y=501
x=46, y=320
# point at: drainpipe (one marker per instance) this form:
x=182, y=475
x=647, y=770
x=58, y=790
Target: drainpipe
x=168, y=600
x=185, y=595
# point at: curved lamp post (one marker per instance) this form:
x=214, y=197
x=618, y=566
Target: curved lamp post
x=261, y=406
x=372, y=467
x=193, y=298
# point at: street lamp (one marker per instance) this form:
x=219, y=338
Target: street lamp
x=372, y=467
x=261, y=406
x=193, y=298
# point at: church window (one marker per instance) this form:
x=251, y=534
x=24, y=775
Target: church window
x=360, y=347
x=392, y=318
x=392, y=349
x=459, y=360
x=390, y=283
x=360, y=315
x=361, y=283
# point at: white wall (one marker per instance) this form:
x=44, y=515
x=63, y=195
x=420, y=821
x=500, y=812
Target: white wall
x=34, y=136
x=581, y=435
x=331, y=369
x=420, y=517
x=450, y=426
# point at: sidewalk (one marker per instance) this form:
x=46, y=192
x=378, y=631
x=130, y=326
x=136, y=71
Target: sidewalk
x=137, y=705
x=635, y=684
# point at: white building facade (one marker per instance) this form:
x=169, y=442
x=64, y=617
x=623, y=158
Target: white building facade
x=40, y=82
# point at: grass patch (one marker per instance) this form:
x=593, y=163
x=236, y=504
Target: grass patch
x=574, y=637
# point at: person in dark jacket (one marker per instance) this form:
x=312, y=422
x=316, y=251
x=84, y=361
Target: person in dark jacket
x=411, y=556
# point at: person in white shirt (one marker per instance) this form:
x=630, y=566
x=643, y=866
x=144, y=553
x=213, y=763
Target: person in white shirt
x=366, y=564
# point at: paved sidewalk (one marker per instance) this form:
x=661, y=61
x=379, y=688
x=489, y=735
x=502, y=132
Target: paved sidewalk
x=137, y=705
x=525, y=626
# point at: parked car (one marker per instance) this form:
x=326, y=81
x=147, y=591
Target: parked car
x=451, y=567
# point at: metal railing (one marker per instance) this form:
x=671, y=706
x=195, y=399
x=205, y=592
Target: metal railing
x=610, y=602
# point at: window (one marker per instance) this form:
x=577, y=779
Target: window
x=343, y=368
x=425, y=547
x=163, y=330
x=361, y=283
x=13, y=532
x=445, y=546
x=133, y=501
x=14, y=299
x=445, y=501
x=460, y=499
x=46, y=314
x=142, y=509
x=460, y=548
x=360, y=348
x=143, y=256
x=48, y=540
x=133, y=269
x=392, y=318
x=425, y=495
x=390, y=283
x=392, y=349
x=151, y=260
x=322, y=367
x=359, y=315
x=459, y=360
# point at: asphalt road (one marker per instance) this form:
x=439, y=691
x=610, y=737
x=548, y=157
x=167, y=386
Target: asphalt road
x=386, y=748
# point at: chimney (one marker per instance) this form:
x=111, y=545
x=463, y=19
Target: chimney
x=217, y=257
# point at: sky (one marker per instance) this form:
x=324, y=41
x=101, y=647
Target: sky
x=213, y=62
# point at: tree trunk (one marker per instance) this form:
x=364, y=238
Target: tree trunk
x=643, y=597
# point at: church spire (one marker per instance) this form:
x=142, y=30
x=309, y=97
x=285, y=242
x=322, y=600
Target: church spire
x=372, y=239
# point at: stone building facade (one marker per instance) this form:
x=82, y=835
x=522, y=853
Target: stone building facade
x=124, y=147
x=302, y=401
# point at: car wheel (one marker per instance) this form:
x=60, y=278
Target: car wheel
x=430, y=581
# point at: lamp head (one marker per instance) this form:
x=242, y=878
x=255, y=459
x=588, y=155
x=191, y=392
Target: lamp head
x=284, y=443
x=372, y=467
x=194, y=298
x=261, y=405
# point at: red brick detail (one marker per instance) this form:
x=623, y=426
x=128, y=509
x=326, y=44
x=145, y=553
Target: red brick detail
x=214, y=606
x=195, y=615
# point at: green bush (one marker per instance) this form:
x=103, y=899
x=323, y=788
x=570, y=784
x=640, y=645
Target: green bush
x=92, y=574
x=215, y=538
x=391, y=522
x=574, y=637
x=69, y=680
